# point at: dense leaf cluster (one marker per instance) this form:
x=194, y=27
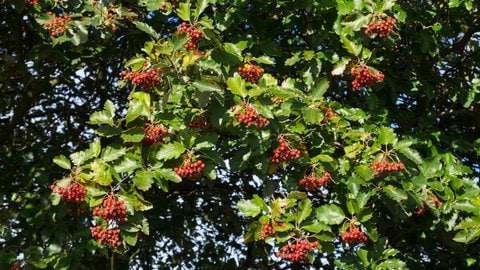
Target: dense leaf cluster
x=131, y=98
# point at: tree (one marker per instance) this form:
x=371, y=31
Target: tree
x=239, y=134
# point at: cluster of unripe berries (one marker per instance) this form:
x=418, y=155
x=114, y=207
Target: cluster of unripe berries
x=246, y=113
x=250, y=73
x=105, y=236
x=111, y=210
x=190, y=169
x=353, y=236
x=381, y=27
x=154, y=134
x=313, y=182
x=267, y=230
x=147, y=79
x=283, y=152
x=200, y=123
x=73, y=192
x=364, y=77
x=329, y=114
x=385, y=167
x=58, y=25
x=297, y=251
x=194, y=35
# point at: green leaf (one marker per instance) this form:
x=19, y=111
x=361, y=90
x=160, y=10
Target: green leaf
x=143, y=180
x=130, y=237
x=411, y=154
x=105, y=116
x=147, y=29
x=392, y=264
x=101, y=173
x=351, y=46
x=170, y=151
x=352, y=150
x=396, y=194
x=319, y=90
x=387, y=136
x=183, y=11
x=236, y=49
x=312, y=115
x=330, y=214
x=365, y=172
x=249, y=208
x=108, y=131
x=304, y=210
x=62, y=161
x=169, y=175
x=317, y=227
x=138, y=106
x=363, y=255
x=205, y=86
x=237, y=86
x=111, y=153
x=259, y=201
x=135, y=134
x=200, y=7
x=128, y=164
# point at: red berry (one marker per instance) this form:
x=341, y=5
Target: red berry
x=111, y=209
x=250, y=73
x=284, y=153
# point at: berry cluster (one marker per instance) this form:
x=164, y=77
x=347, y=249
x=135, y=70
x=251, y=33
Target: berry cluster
x=297, y=251
x=73, y=192
x=200, y=123
x=425, y=207
x=112, y=210
x=329, y=114
x=250, y=73
x=173, y=3
x=32, y=2
x=190, y=170
x=194, y=35
x=267, y=230
x=246, y=113
x=364, y=77
x=313, y=182
x=154, y=134
x=385, y=167
x=354, y=236
x=104, y=236
x=381, y=27
x=58, y=25
x=283, y=152
x=147, y=79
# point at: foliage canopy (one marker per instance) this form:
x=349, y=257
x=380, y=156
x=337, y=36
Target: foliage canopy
x=239, y=134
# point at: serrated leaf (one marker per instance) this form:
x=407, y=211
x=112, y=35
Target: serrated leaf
x=205, y=86
x=108, y=131
x=248, y=208
x=351, y=46
x=304, y=210
x=135, y=134
x=386, y=136
x=396, y=194
x=183, y=11
x=312, y=115
x=411, y=154
x=264, y=60
x=147, y=29
x=101, y=173
x=237, y=86
x=200, y=7
x=127, y=164
x=330, y=214
x=319, y=89
x=365, y=172
x=143, y=180
x=62, y=161
x=169, y=175
x=259, y=201
x=317, y=227
x=170, y=151
x=111, y=153
x=236, y=49
x=130, y=237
